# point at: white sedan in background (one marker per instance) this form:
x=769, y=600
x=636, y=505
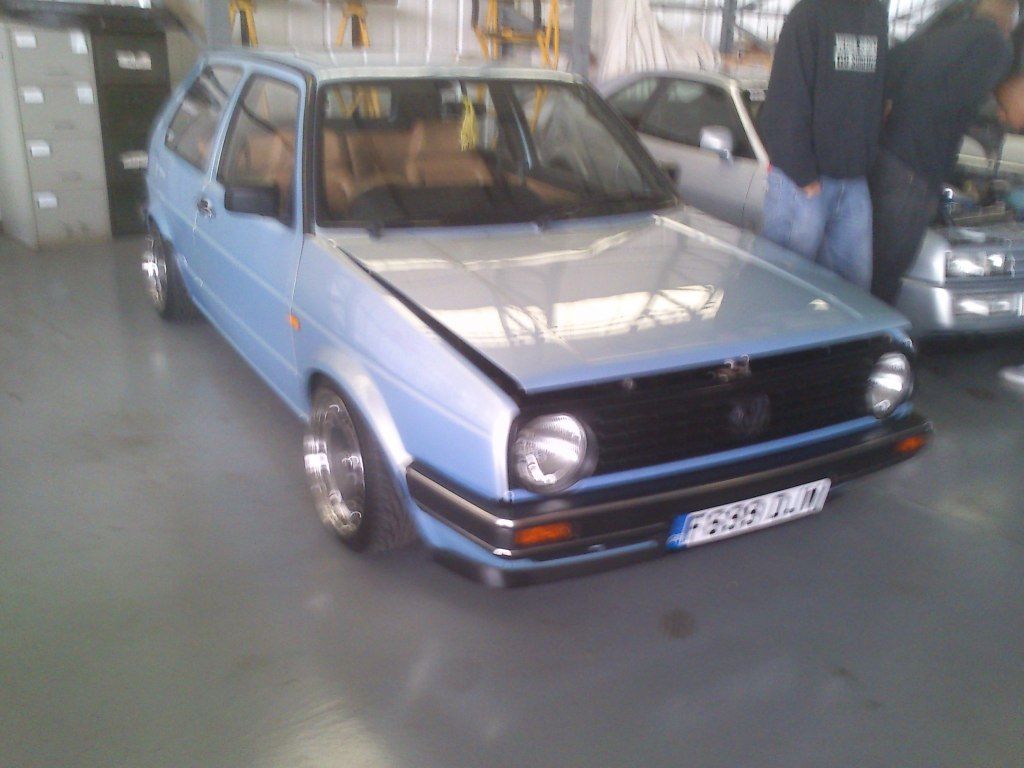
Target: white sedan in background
x=969, y=274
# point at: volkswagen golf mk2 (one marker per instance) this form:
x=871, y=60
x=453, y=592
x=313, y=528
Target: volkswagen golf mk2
x=508, y=337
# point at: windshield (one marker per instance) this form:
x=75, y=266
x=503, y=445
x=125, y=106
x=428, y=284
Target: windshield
x=427, y=152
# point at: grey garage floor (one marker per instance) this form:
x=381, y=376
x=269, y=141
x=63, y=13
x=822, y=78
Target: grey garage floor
x=167, y=598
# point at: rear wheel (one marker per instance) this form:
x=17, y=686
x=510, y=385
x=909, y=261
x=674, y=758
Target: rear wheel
x=353, y=492
x=163, y=281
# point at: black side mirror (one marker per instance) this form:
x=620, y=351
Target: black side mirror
x=262, y=201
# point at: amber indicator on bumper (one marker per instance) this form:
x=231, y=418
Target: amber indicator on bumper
x=911, y=444
x=543, y=534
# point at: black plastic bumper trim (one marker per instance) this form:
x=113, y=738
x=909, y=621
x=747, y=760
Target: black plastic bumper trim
x=500, y=577
x=644, y=511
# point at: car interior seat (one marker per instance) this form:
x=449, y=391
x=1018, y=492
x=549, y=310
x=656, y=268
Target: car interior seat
x=437, y=158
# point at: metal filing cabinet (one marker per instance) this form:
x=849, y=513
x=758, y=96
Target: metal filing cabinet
x=55, y=186
x=133, y=80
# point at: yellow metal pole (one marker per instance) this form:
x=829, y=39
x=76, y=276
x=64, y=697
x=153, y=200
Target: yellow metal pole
x=341, y=31
x=245, y=11
x=355, y=12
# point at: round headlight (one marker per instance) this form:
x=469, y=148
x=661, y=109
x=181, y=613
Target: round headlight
x=891, y=383
x=550, y=453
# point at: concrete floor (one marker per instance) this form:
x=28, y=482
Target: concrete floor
x=168, y=599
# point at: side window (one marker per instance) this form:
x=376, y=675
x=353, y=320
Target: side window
x=630, y=102
x=684, y=107
x=193, y=126
x=260, y=147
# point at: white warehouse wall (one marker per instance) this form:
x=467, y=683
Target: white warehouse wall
x=439, y=29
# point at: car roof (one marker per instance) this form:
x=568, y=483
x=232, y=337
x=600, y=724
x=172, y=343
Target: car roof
x=712, y=77
x=326, y=65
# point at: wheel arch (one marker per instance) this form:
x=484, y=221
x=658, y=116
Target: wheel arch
x=360, y=392
x=157, y=224
x=394, y=511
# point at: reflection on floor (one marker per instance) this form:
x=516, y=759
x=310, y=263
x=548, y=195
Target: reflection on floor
x=167, y=599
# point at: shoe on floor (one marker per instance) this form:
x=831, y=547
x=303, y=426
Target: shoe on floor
x=1013, y=375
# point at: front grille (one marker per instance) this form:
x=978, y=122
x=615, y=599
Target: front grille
x=667, y=417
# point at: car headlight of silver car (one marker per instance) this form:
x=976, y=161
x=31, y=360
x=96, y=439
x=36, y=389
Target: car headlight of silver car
x=979, y=263
x=890, y=384
x=552, y=452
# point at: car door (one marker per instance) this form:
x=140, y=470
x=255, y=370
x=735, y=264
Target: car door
x=249, y=229
x=178, y=172
x=670, y=129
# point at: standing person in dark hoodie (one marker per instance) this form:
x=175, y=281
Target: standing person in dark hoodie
x=937, y=82
x=820, y=124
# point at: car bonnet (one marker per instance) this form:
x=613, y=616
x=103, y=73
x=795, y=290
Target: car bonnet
x=598, y=299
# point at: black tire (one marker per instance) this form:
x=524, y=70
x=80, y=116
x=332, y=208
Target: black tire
x=163, y=281
x=353, y=491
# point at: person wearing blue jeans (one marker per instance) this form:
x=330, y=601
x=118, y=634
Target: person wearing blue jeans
x=830, y=224
x=820, y=123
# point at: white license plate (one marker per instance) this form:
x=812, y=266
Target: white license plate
x=748, y=515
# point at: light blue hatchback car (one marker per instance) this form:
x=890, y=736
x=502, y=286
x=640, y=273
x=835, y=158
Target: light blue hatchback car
x=508, y=337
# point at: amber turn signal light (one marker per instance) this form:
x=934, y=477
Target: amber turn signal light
x=543, y=534
x=911, y=444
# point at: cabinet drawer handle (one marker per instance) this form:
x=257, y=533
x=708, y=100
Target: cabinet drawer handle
x=135, y=160
x=135, y=61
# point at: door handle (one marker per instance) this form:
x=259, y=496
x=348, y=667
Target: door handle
x=204, y=207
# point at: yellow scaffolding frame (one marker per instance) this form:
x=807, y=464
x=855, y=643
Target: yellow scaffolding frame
x=546, y=36
x=493, y=36
x=246, y=11
x=354, y=11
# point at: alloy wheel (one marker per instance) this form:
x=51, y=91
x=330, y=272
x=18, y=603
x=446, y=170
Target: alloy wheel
x=334, y=466
x=154, y=267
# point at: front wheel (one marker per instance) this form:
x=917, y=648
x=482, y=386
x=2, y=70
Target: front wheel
x=353, y=492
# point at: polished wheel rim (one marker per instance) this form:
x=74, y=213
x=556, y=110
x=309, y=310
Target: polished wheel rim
x=334, y=467
x=154, y=266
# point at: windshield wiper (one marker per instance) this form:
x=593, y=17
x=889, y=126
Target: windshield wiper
x=375, y=227
x=572, y=210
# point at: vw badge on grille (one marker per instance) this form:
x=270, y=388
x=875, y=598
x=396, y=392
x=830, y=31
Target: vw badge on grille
x=749, y=416
x=733, y=370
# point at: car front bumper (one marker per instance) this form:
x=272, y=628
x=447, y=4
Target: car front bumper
x=632, y=522
x=989, y=305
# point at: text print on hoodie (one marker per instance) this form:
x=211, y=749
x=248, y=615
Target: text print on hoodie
x=823, y=111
